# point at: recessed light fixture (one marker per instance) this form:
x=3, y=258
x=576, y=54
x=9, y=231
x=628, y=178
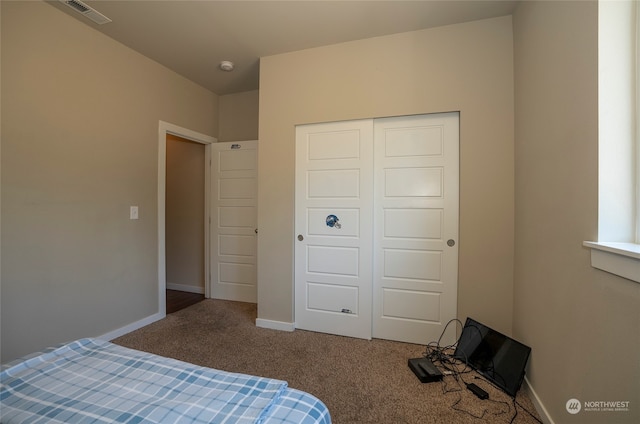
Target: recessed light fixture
x=226, y=66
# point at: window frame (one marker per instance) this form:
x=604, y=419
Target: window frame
x=618, y=247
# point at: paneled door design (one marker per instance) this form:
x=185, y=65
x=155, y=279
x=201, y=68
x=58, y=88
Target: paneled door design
x=377, y=227
x=234, y=220
x=416, y=227
x=333, y=228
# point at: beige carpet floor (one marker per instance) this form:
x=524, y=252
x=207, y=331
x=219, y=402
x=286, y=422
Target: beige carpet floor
x=360, y=381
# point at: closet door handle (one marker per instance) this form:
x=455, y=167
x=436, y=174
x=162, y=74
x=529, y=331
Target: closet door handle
x=300, y=238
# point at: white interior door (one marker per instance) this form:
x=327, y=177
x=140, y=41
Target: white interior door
x=233, y=221
x=333, y=246
x=416, y=227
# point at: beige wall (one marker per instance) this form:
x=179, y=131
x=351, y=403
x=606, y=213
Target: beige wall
x=0, y=191
x=466, y=68
x=238, y=116
x=184, y=219
x=581, y=323
x=79, y=146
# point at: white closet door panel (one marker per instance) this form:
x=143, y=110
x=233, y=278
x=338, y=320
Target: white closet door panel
x=334, y=145
x=411, y=264
x=413, y=182
x=349, y=222
x=328, y=298
x=333, y=268
x=418, y=223
x=413, y=305
x=416, y=213
x=335, y=183
x=336, y=260
x=413, y=142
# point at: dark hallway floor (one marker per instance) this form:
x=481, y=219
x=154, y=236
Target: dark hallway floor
x=177, y=300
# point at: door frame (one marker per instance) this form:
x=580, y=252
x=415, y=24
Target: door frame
x=165, y=128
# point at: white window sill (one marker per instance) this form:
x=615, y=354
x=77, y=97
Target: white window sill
x=621, y=259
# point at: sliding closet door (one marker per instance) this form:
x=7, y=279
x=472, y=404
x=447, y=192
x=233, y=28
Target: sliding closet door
x=416, y=227
x=377, y=227
x=333, y=245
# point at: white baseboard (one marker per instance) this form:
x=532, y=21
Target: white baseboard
x=275, y=325
x=185, y=288
x=542, y=411
x=130, y=327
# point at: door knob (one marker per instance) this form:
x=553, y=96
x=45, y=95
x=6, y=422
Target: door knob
x=300, y=238
x=451, y=242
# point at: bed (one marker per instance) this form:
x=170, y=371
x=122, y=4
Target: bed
x=94, y=381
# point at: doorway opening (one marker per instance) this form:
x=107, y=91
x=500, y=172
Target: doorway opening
x=165, y=131
x=185, y=219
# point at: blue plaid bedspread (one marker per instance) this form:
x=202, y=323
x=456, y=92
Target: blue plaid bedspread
x=93, y=381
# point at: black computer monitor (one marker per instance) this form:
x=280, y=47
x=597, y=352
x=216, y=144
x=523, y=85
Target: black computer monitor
x=497, y=357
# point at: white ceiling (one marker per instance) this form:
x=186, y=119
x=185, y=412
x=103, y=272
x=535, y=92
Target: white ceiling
x=193, y=37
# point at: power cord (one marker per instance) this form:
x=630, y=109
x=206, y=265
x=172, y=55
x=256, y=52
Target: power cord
x=504, y=406
x=515, y=402
x=456, y=368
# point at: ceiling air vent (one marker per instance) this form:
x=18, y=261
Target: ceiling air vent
x=87, y=11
